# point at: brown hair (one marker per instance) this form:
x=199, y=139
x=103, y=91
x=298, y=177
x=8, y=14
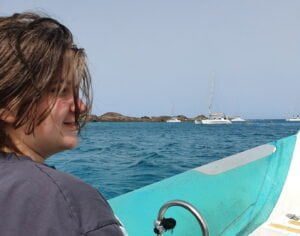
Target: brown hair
x=35, y=52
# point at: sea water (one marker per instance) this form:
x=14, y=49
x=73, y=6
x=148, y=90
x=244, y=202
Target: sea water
x=117, y=158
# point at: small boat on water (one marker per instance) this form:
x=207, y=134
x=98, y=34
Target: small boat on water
x=173, y=120
x=255, y=192
x=237, y=119
x=294, y=118
x=214, y=119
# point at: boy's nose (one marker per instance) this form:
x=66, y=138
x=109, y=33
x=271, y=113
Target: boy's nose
x=81, y=105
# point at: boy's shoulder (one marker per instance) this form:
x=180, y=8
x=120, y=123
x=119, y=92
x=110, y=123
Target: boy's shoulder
x=41, y=187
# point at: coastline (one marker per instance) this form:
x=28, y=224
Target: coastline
x=117, y=117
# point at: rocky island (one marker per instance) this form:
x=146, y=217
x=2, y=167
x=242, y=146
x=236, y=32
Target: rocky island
x=117, y=117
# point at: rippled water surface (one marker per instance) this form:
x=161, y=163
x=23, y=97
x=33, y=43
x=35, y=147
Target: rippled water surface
x=119, y=157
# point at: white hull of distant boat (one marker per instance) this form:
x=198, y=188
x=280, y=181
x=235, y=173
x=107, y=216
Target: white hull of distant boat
x=237, y=119
x=214, y=119
x=216, y=122
x=173, y=120
x=213, y=122
x=197, y=122
x=293, y=119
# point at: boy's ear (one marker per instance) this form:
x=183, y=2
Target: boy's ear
x=7, y=116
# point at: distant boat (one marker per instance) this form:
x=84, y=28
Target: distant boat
x=237, y=119
x=294, y=118
x=197, y=122
x=173, y=120
x=216, y=118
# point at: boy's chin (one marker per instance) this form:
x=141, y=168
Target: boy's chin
x=70, y=143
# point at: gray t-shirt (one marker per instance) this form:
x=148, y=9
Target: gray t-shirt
x=37, y=200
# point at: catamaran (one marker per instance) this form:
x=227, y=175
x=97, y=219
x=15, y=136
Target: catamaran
x=214, y=118
x=217, y=118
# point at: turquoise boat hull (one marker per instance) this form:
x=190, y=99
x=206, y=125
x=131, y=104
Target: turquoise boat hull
x=235, y=195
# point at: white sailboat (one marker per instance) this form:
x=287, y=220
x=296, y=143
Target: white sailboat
x=173, y=119
x=214, y=118
x=294, y=118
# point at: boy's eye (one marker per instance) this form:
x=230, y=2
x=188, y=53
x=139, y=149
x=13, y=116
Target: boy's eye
x=53, y=90
x=64, y=92
x=61, y=91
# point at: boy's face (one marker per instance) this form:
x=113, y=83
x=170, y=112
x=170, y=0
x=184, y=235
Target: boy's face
x=58, y=131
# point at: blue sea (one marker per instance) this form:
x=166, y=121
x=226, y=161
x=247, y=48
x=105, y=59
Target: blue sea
x=117, y=158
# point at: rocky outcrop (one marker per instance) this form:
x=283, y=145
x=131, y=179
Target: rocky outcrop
x=160, y=118
x=182, y=118
x=117, y=117
x=92, y=118
x=200, y=117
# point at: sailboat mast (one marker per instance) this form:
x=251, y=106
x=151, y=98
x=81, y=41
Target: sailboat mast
x=212, y=91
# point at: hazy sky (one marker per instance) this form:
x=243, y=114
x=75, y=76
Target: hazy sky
x=156, y=57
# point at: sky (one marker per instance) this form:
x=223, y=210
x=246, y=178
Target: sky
x=159, y=57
